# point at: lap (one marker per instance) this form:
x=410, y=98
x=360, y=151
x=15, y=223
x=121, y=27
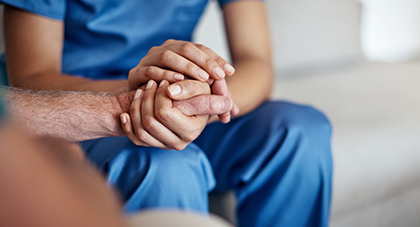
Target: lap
x=235, y=150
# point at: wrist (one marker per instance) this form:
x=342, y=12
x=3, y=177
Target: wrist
x=120, y=103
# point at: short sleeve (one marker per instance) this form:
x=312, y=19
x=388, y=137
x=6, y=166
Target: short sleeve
x=55, y=9
x=224, y=2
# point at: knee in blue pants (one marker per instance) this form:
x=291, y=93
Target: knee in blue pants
x=298, y=171
x=278, y=161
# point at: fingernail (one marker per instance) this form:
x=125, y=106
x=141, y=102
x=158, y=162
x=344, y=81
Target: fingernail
x=227, y=104
x=149, y=84
x=178, y=77
x=163, y=82
x=219, y=72
x=175, y=89
x=203, y=75
x=229, y=68
x=138, y=93
x=123, y=118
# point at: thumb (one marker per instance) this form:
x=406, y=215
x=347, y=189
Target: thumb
x=204, y=105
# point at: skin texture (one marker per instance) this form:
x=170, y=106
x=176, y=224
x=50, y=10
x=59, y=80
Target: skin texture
x=249, y=42
x=178, y=57
x=78, y=116
x=34, y=44
x=163, y=125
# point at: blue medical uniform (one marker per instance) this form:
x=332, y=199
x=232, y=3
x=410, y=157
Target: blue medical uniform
x=2, y=107
x=277, y=159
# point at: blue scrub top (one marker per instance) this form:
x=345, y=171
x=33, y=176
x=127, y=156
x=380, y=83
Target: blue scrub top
x=104, y=39
x=2, y=107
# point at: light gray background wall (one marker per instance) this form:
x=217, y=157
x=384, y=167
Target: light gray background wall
x=300, y=44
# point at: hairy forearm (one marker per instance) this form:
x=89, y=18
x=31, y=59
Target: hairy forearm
x=71, y=116
x=252, y=83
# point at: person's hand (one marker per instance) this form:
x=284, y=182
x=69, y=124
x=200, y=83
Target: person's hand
x=175, y=60
x=158, y=123
x=218, y=88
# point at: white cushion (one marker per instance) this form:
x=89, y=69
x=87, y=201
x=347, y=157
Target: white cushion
x=375, y=113
x=174, y=218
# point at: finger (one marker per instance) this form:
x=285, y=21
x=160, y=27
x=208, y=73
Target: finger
x=135, y=111
x=210, y=81
x=141, y=75
x=186, y=128
x=128, y=130
x=224, y=118
x=171, y=60
x=152, y=125
x=187, y=89
x=204, y=105
x=227, y=68
x=158, y=74
x=139, y=131
x=235, y=110
x=220, y=87
x=191, y=52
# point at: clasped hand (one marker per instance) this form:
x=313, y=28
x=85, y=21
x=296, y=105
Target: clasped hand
x=173, y=114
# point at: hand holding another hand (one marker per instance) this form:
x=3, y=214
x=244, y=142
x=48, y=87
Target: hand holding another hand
x=209, y=103
x=156, y=120
x=175, y=60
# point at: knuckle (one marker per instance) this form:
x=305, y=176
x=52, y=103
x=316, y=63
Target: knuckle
x=149, y=123
x=133, y=109
x=200, y=46
x=186, y=47
x=165, y=55
x=209, y=104
x=170, y=41
x=210, y=62
x=220, y=60
x=142, y=135
x=137, y=143
x=153, y=50
x=131, y=72
x=167, y=75
x=216, y=105
x=149, y=70
x=163, y=114
x=190, y=66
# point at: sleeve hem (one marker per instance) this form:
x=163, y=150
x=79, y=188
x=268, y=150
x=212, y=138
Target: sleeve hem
x=225, y=2
x=33, y=8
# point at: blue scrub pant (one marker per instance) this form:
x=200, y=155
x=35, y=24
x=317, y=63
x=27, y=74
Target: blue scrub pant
x=277, y=160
